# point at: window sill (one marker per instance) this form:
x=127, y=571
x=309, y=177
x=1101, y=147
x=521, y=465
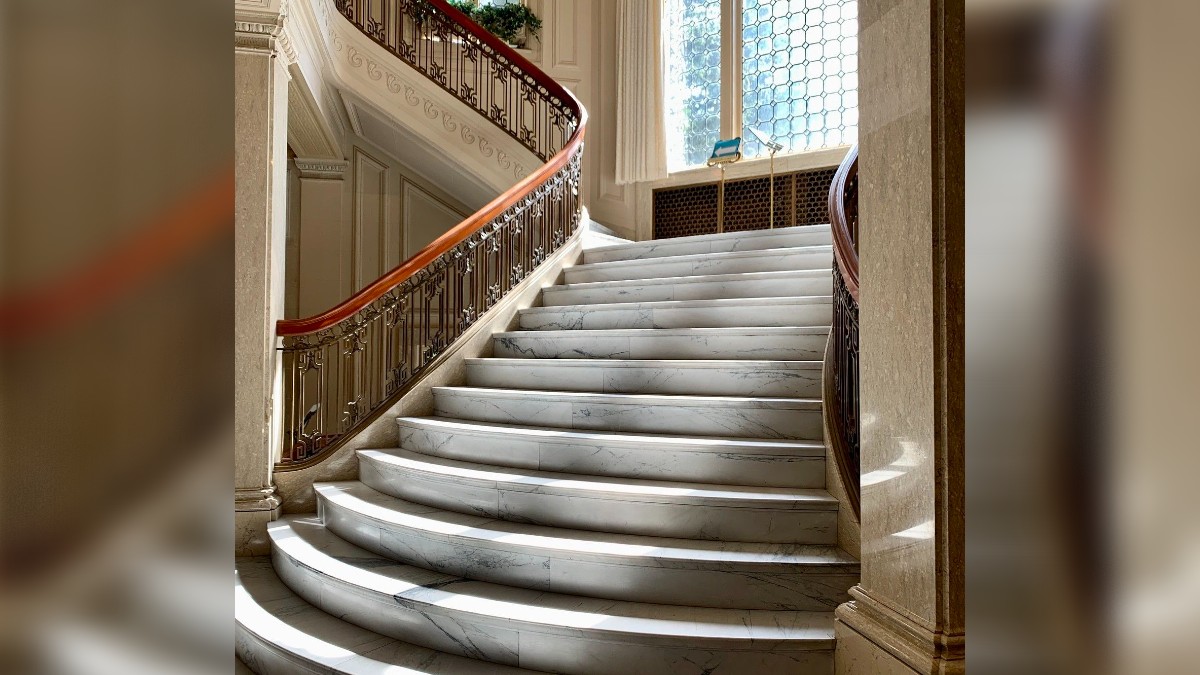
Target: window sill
x=752, y=168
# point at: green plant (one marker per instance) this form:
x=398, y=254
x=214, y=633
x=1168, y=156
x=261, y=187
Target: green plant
x=468, y=7
x=506, y=21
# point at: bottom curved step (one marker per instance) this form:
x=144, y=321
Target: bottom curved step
x=279, y=633
x=539, y=630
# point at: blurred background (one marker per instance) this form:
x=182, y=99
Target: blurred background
x=116, y=280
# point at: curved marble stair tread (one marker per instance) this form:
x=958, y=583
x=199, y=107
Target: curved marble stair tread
x=540, y=630
x=741, y=416
x=625, y=505
x=698, y=287
x=614, y=566
x=279, y=633
x=808, y=310
x=798, y=343
x=780, y=237
x=697, y=459
x=732, y=262
x=696, y=377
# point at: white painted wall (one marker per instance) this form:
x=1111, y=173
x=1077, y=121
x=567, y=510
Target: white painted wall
x=578, y=48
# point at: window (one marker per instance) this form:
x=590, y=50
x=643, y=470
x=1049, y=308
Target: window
x=795, y=75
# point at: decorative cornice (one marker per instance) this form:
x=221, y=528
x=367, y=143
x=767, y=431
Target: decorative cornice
x=321, y=168
x=264, y=31
x=926, y=651
x=256, y=35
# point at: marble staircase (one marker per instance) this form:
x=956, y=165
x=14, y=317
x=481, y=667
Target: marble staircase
x=634, y=482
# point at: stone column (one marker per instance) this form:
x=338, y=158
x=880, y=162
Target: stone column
x=261, y=96
x=907, y=613
x=320, y=280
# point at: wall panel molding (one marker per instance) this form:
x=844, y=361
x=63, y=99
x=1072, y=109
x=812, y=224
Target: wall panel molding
x=370, y=218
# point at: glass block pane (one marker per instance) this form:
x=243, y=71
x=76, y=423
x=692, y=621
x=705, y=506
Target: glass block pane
x=803, y=63
x=692, y=86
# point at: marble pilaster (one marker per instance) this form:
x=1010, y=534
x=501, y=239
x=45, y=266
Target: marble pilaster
x=907, y=614
x=261, y=94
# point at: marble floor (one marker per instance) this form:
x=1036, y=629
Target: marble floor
x=633, y=482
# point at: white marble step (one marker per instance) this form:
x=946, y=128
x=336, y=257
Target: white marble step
x=629, y=506
x=739, y=416
x=276, y=632
x=536, y=629
x=784, y=237
x=774, y=343
x=732, y=262
x=797, y=283
x=738, y=461
x=615, y=566
x=725, y=313
x=594, y=239
x=697, y=377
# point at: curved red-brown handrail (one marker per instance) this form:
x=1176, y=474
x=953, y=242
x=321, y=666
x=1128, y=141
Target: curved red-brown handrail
x=845, y=248
x=459, y=233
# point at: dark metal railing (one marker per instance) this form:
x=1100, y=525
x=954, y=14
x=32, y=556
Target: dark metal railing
x=841, y=356
x=344, y=367
x=446, y=47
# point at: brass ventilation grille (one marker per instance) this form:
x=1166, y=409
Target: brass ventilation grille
x=800, y=199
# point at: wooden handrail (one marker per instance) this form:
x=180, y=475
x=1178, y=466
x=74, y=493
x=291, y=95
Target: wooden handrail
x=840, y=374
x=459, y=233
x=845, y=232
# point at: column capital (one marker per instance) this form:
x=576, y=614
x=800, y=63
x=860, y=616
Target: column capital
x=258, y=28
x=328, y=169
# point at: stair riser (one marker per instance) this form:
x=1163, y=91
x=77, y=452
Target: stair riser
x=819, y=236
x=610, y=513
x=622, y=461
x=666, y=267
x=756, y=347
x=265, y=658
x=566, y=650
x=810, y=314
x=735, y=380
x=776, y=421
x=694, y=583
x=821, y=284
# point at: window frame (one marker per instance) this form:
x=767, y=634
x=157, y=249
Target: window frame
x=730, y=104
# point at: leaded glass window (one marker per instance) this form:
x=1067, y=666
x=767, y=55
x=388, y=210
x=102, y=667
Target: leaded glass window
x=800, y=73
x=692, y=77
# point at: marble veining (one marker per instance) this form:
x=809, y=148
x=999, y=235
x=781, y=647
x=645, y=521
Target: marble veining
x=699, y=287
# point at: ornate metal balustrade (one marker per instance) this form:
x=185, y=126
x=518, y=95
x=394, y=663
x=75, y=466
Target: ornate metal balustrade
x=487, y=75
x=345, y=366
x=841, y=355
